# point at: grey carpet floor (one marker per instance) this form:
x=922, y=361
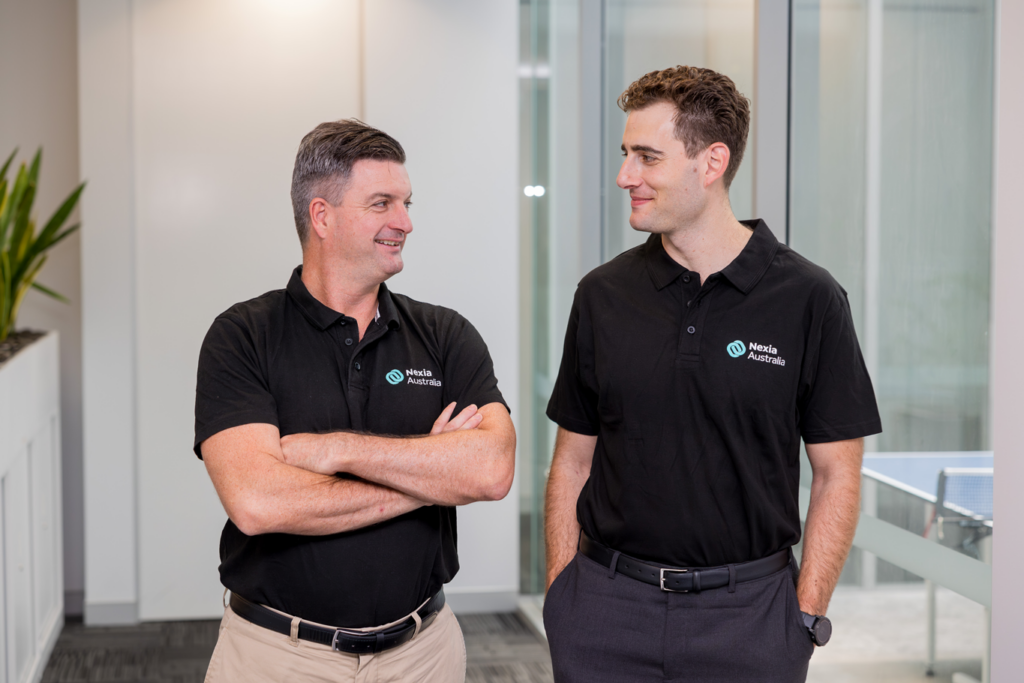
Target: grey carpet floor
x=500, y=648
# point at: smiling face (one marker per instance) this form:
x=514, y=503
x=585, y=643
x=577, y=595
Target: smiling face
x=666, y=187
x=366, y=232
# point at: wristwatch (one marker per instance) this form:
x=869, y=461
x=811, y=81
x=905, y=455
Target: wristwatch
x=819, y=627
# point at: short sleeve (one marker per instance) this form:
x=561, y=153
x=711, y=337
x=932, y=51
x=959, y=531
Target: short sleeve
x=468, y=370
x=573, y=403
x=231, y=385
x=837, y=401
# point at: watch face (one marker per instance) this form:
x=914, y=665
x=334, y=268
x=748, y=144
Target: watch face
x=822, y=630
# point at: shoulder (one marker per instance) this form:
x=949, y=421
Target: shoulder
x=793, y=271
x=625, y=266
x=252, y=317
x=430, y=321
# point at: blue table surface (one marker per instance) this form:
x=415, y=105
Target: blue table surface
x=921, y=470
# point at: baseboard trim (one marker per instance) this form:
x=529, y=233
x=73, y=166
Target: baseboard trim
x=111, y=613
x=74, y=603
x=481, y=600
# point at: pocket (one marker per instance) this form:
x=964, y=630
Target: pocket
x=556, y=590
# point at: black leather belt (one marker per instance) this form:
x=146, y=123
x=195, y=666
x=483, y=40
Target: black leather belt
x=340, y=639
x=684, y=580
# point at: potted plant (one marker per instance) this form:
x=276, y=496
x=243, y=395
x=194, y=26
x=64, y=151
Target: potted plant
x=22, y=252
x=30, y=453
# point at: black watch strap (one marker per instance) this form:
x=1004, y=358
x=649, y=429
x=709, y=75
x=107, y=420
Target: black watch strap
x=819, y=627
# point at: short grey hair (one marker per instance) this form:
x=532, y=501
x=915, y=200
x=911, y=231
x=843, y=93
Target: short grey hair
x=325, y=159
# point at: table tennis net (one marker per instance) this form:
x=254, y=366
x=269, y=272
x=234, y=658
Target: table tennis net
x=965, y=491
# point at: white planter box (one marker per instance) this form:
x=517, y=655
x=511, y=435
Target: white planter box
x=31, y=570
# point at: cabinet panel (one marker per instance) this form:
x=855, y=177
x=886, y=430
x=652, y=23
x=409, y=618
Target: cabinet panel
x=44, y=524
x=18, y=569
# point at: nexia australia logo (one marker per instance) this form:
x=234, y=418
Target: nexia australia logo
x=394, y=377
x=765, y=353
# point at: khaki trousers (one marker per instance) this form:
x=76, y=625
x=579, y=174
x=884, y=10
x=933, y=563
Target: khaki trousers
x=252, y=654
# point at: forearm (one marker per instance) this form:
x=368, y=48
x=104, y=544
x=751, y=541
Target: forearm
x=455, y=468
x=309, y=504
x=570, y=469
x=448, y=468
x=828, y=534
x=262, y=494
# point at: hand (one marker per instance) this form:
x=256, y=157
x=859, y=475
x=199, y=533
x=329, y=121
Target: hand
x=308, y=451
x=469, y=418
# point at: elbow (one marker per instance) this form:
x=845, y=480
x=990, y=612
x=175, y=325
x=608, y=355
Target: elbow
x=251, y=520
x=496, y=485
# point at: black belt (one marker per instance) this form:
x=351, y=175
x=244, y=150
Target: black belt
x=340, y=639
x=684, y=580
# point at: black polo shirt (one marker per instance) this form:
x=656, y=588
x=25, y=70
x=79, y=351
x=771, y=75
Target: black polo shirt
x=699, y=396
x=286, y=359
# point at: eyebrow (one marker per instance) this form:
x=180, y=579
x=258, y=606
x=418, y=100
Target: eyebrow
x=643, y=148
x=386, y=195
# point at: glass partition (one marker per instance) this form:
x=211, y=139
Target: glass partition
x=638, y=36
x=891, y=191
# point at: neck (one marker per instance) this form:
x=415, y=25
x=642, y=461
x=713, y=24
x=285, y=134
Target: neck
x=332, y=288
x=709, y=243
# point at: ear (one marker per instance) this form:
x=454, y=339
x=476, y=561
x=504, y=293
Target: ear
x=318, y=211
x=717, y=158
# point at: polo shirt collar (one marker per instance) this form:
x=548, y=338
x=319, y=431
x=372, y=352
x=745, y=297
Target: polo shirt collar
x=747, y=269
x=323, y=316
x=744, y=272
x=661, y=267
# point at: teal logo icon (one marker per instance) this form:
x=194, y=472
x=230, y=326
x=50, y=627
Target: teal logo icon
x=736, y=349
x=395, y=376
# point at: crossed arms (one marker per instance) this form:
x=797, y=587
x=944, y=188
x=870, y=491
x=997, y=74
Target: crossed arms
x=269, y=484
x=828, y=532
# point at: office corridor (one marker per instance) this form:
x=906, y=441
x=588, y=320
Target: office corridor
x=500, y=648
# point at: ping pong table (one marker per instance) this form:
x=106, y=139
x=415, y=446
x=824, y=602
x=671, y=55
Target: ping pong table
x=957, y=490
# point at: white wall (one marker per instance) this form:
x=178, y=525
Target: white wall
x=191, y=114
x=1008, y=330
x=441, y=77
x=39, y=91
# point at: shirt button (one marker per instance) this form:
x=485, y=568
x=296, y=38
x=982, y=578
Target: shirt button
x=691, y=329
x=689, y=302
x=348, y=342
x=686, y=278
x=358, y=366
x=342, y=323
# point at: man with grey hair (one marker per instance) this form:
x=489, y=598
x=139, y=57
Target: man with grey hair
x=340, y=424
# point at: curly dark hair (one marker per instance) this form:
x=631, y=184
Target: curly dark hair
x=709, y=109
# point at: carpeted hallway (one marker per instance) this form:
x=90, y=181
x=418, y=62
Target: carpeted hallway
x=500, y=648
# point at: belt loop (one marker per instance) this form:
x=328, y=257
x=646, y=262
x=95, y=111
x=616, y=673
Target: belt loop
x=293, y=638
x=732, y=578
x=696, y=582
x=614, y=563
x=379, y=645
x=419, y=623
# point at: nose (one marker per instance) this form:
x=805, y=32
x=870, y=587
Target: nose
x=625, y=178
x=401, y=220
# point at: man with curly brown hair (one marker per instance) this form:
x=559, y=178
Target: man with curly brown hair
x=693, y=366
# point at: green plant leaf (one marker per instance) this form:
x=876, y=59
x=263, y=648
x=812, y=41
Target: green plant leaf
x=49, y=292
x=48, y=237
x=23, y=250
x=7, y=164
x=12, y=203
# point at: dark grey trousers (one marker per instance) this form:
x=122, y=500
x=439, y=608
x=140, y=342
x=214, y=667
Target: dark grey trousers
x=603, y=626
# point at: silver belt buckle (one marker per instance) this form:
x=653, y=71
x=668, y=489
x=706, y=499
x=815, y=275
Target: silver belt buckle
x=677, y=571
x=347, y=632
